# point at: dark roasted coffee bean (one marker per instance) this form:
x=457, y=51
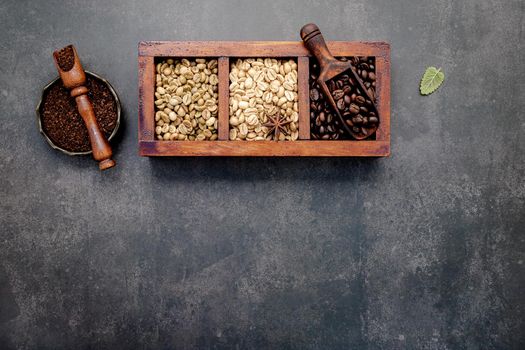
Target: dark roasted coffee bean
x=329, y=127
x=371, y=94
x=373, y=120
x=354, y=109
x=338, y=94
x=314, y=94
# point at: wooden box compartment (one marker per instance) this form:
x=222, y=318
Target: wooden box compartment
x=149, y=52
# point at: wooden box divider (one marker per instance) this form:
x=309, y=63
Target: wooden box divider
x=224, y=99
x=303, y=74
x=146, y=98
x=225, y=51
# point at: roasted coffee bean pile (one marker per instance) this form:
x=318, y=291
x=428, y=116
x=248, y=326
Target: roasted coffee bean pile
x=352, y=103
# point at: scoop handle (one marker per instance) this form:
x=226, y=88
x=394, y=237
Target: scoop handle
x=75, y=80
x=101, y=149
x=314, y=42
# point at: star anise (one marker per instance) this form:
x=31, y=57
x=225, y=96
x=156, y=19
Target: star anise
x=276, y=124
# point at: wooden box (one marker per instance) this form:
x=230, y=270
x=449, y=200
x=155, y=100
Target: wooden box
x=226, y=50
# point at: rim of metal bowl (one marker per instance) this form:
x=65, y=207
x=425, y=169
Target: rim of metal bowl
x=39, y=117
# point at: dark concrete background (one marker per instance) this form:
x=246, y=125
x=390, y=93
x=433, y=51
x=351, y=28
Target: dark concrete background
x=422, y=250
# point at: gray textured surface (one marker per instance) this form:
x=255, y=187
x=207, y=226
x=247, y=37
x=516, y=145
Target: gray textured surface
x=423, y=250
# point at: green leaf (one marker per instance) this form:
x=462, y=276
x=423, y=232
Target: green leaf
x=432, y=79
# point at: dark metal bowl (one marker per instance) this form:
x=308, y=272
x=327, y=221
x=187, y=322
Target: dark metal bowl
x=40, y=103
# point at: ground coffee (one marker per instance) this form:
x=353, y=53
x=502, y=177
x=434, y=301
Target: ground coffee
x=66, y=58
x=63, y=124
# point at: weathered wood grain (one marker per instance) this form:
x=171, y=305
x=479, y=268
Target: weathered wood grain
x=146, y=98
x=224, y=99
x=303, y=74
x=254, y=48
x=266, y=148
x=148, y=146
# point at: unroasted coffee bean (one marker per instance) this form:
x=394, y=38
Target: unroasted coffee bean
x=186, y=100
x=263, y=94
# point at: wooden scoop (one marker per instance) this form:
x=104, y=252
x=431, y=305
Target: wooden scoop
x=330, y=67
x=74, y=78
